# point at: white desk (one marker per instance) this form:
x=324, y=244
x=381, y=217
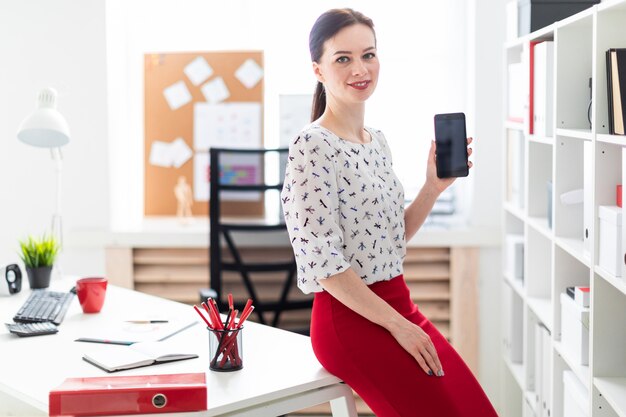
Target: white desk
x=280, y=374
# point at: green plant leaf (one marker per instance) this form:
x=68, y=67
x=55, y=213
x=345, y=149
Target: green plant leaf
x=37, y=252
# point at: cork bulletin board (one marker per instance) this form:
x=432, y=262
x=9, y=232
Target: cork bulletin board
x=186, y=95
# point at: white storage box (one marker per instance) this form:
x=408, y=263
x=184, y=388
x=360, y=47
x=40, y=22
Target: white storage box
x=515, y=256
x=575, y=396
x=574, y=330
x=610, y=247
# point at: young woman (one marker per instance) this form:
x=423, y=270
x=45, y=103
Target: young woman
x=344, y=210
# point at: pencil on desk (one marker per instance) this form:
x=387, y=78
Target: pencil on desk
x=226, y=332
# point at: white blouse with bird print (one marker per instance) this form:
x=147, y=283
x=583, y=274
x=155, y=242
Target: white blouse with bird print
x=344, y=207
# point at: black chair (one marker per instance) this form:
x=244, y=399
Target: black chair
x=222, y=228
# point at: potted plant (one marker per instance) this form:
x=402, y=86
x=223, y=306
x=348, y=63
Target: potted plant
x=38, y=255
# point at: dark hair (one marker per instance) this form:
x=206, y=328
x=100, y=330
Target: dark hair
x=326, y=26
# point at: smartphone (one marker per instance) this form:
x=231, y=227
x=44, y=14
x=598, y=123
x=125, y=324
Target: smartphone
x=451, y=140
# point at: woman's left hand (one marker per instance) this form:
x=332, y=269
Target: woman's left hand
x=440, y=184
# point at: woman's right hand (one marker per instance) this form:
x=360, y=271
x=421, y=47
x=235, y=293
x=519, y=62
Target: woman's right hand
x=419, y=345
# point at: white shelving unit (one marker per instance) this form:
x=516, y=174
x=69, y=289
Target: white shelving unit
x=561, y=243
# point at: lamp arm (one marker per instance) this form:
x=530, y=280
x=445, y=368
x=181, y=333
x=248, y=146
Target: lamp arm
x=57, y=226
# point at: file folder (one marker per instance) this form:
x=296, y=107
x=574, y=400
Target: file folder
x=141, y=394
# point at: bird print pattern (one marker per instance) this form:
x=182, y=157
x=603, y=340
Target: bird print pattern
x=343, y=207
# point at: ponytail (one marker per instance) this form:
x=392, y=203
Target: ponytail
x=319, y=102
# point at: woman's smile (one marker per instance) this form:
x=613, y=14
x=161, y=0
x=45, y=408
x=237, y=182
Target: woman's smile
x=360, y=85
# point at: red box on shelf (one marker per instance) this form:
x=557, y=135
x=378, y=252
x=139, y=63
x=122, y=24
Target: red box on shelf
x=141, y=394
x=619, y=196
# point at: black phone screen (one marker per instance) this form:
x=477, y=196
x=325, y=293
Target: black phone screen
x=450, y=137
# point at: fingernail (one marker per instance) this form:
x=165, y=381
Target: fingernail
x=430, y=372
x=440, y=373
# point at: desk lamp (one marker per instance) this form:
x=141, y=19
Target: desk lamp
x=47, y=128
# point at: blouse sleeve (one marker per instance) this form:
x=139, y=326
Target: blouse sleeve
x=311, y=208
x=385, y=146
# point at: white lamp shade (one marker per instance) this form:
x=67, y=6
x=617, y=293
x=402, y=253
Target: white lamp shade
x=45, y=127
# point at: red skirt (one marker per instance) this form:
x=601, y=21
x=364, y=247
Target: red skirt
x=366, y=357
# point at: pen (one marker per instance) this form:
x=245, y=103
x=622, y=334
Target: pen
x=146, y=321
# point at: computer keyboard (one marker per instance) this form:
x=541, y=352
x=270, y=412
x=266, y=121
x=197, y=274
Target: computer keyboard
x=32, y=329
x=44, y=306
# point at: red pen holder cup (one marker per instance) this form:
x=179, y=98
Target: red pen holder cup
x=225, y=350
x=91, y=292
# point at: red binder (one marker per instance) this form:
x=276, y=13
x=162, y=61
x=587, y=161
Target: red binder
x=140, y=394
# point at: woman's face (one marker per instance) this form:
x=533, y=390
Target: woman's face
x=349, y=65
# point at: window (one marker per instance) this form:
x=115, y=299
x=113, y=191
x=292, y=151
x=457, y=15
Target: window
x=421, y=46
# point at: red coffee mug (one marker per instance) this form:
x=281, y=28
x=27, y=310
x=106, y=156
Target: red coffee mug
x=91, y=293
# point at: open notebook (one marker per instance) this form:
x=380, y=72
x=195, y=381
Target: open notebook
x=118, y=358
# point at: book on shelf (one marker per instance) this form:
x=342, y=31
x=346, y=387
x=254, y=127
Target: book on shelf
x=528, y=59
x=513, y=336
x=582, y=296
x=575, y=395
x=137, y=355
x=515, y=256
x=543, y=70
x=542, y=364
x=609, y=91
x=616, y=89
x=587, y=198
x=515, y=168
x=515, y=93
x=542, y=358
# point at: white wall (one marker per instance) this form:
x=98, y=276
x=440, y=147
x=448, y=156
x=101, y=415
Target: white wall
x=61, y=44
x=485, y=82
x=418, y=77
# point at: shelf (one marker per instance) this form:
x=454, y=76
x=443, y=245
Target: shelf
x=574, y=247
x=517, y=370
x=560, y=256
x=581, y=371
x=583, y=18
x=514, y=43
x=543, y=34
x=614, y=391
x=514, y=125
x=541, y=139
x=618, y=283
x=542, y=307
x=514, y=211
x=540, y=224
x=516, y=284
x=618, y=140
x=531, y=398
x=611, y=5
x=584, y=134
